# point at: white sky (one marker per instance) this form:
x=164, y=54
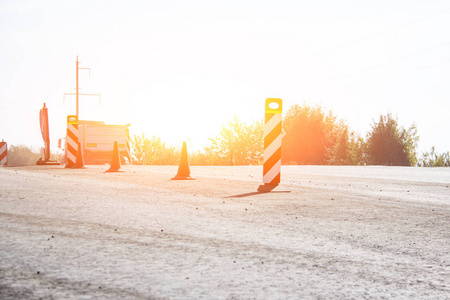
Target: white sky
x=182, y=69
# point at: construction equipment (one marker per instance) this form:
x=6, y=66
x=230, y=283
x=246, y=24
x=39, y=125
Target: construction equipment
x=97, y=141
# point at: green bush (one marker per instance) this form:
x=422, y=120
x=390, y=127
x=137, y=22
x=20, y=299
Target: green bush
x=433, y=159
x=153, y=152
x=21, y=155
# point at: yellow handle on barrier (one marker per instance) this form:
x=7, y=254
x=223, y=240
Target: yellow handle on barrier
x=72, y=119
x=274, y=106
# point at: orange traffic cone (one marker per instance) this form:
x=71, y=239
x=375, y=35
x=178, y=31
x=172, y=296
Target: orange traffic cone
x=79, y=161
x=115, y=161
x=184, y=172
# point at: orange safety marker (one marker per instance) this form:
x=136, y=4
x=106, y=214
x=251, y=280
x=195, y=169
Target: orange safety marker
x=115, y=160
x=43, y=121
x=71, y=140
x=272, y=144
x=184, y=172
x=3, y=153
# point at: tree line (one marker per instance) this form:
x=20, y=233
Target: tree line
x=319, y=138
x=313, y=137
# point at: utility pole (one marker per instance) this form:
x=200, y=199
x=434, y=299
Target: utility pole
x=77, y=88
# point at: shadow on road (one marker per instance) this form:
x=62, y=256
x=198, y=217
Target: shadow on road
x=256, y=193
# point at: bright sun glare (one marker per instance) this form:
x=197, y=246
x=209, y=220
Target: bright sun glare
x=181, y=72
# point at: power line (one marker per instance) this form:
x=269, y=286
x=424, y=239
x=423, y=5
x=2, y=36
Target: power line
x=393, y=61
x=436, y=64
x=372, y=36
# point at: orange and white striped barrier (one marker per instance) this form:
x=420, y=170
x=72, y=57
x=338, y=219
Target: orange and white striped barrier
x=3, y=153
x=272, y=144
x=71, y=140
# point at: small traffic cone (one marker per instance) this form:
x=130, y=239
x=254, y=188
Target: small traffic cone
x=79, y=161
x=115, y=161
x=184, y=172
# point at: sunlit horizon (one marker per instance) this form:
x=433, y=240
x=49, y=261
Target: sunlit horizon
x=181, y=71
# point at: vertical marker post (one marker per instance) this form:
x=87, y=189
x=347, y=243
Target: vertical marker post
x=3, y=153
x=272, y=144
x=71, y=140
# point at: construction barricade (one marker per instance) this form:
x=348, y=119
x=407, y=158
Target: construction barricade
x=272, y=144
x=71, y=140
x=3, y=153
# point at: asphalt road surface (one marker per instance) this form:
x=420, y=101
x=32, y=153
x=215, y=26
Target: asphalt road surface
x=324, y=233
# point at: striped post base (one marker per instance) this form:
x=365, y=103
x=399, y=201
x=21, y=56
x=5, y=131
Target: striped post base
x=272, y=144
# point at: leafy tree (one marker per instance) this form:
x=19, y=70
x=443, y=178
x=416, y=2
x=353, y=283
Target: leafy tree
x=313, y=137
x=339, y=153
x=238, y=144
x=348, y=150
x=204, y=158
x=356, y=150
x=153, y=151
x=390, y=144
x=433, y=159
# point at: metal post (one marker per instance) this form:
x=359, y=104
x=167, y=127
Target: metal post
x=77, y=93
x=77, y=89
